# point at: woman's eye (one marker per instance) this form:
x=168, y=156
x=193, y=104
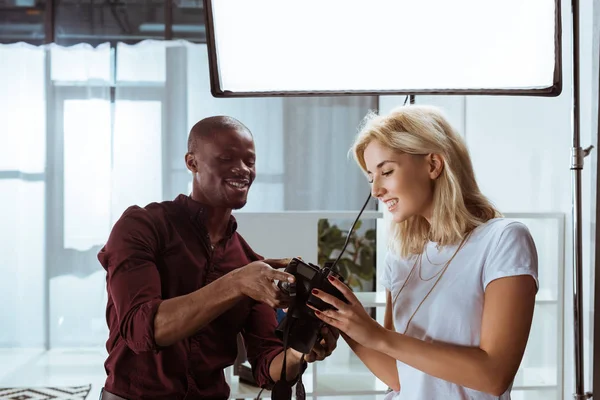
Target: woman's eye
x=387, y=172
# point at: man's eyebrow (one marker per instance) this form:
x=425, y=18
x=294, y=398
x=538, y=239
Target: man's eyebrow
x=381, y=164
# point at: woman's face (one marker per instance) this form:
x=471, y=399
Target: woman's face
x=403, y=182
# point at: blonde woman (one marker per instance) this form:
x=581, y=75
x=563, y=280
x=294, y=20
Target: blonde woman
x=460, y=279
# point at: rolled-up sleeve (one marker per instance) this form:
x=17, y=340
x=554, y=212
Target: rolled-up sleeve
x=133, y=281
x=262, y=345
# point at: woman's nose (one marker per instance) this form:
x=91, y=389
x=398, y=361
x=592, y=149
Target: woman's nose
x=376, y=189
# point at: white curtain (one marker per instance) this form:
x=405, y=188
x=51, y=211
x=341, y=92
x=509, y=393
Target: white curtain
x=22, y=188
x=319, y=134
x=90, y=131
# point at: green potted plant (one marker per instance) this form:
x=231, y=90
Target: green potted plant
x=357, y=264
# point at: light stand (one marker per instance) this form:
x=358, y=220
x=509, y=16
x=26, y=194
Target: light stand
x=577, y=156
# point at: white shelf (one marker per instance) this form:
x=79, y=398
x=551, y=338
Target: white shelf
x=545, y=296
x=377, y=299
x=340, y=384
x=371, y=299
x=316, y=215
x=535, y=379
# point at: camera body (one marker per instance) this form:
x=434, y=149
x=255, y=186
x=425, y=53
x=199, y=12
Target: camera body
x=300, y=320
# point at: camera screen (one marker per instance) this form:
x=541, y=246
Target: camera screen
x=305, y=271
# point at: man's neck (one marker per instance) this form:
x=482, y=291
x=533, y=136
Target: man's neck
x=216, y=220
x=216, y=223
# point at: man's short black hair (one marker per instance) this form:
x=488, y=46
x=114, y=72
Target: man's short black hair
x=209, y=125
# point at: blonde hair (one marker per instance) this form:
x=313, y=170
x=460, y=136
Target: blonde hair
x=458, y=204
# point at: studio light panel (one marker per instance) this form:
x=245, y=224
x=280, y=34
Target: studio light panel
x=284, y=47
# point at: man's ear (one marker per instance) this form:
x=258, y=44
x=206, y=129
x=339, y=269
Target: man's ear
x=435, y=164
x=190, y=162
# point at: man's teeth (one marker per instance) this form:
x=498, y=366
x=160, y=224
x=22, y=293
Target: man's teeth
x=240, y=185
x=391, y=203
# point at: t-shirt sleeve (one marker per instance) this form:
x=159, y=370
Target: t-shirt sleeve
x=514, y=254
x=386, y=274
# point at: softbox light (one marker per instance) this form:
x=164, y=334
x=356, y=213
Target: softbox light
x=341, y=47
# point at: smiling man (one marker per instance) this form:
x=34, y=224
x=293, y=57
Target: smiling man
x=182, y=283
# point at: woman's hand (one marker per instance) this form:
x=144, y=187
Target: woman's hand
x=351, y=319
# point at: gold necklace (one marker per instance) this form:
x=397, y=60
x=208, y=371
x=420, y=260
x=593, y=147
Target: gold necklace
x=441, y=269
x=431, y=262
x=441, y=274
x=421, y=270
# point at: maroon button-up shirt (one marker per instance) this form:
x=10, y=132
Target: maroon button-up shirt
x=163, y=251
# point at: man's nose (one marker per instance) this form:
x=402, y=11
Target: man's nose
x=241, y=169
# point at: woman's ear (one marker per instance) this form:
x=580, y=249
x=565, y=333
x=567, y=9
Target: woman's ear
x=435, y=164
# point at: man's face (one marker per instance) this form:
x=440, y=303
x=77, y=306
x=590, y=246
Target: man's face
x=223, y=168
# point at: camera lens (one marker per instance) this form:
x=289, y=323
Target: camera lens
x=285, y=287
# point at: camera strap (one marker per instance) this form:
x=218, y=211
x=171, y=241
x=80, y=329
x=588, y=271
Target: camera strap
x=283, y=389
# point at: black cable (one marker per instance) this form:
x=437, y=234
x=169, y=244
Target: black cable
x=259, y=393
x=350, y=234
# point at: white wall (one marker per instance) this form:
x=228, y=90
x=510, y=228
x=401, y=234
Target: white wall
x=521, y=153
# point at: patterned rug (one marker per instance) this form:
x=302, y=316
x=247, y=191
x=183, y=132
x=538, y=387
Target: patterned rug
x=46, y=393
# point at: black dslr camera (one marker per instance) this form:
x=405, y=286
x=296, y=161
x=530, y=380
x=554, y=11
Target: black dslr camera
x=302, y=325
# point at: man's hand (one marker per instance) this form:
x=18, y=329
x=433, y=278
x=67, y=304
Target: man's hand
x=324, y=347
x=257, y=281
x=277, y=262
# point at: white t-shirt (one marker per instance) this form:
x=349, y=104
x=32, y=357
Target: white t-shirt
x=453, y=310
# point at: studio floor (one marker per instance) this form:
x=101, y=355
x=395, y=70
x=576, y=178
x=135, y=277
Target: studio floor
x=40, y=368
x=37, y=368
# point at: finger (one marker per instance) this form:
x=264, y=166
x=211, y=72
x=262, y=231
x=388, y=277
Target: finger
x=268, y=296
x=274, y=274
x=330, y=341
x=327, y=319
x=328, y=336
x=327, y=313
x=329, y=299
x=270, y=302
x=280, y=299
x=345, y=290
x=310, y=357
x=280, y=304
x=277, y=262
x=283, y=304
x=319, y=351
x=335, y=332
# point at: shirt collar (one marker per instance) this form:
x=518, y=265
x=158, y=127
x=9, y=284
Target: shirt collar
x=199, y=212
